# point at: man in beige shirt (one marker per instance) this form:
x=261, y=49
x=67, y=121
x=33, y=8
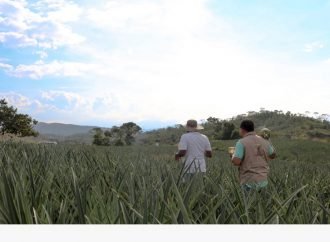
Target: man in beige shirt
x=252, y=154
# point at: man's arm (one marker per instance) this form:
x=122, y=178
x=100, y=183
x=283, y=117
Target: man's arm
x=271, y=152
x=183, y=146
x=208, y=149
x=238, y=156
x=180, y=154
x=273, y=155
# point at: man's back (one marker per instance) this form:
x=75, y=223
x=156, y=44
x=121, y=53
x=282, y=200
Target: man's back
x=196, y=144
x=251, y=155
x=254, y=167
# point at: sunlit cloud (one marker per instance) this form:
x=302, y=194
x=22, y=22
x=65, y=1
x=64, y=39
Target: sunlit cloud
x=311, y=47
x=42, y=24
x=41, y=69
x=146, y=60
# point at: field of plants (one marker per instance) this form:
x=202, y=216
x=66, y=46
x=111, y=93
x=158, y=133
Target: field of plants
x=57, y=184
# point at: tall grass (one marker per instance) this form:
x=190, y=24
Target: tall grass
x=43, y=184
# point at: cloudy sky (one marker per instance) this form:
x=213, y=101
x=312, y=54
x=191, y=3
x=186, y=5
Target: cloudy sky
x=158, y=62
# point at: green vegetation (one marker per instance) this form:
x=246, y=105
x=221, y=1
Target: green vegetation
x=70, y=184
x=141, y=184
x=290, y=125
x=15, y=123
x=117, y=136
x=287, y=125
x=283, y=125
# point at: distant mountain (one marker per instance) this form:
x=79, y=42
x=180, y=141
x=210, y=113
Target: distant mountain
x=64, y=130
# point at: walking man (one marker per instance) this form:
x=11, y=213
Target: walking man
x=194, y=147
x=252, y=154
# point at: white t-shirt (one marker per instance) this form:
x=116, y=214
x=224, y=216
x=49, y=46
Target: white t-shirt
x=196, y=144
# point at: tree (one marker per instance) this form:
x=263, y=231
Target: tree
x=228, y=129
x=213, y=120
x=118, y=136
x=179, y=126
x=235, y=135
x=108, y=133
x=98, y=136
x=251, y=113
x=130, y=130
x=15, y=123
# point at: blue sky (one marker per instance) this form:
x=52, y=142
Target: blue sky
x=159, y=62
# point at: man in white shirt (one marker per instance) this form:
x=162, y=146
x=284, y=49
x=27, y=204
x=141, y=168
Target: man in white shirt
x=194, y=147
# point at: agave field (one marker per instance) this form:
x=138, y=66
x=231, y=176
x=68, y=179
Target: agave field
x=63, y=184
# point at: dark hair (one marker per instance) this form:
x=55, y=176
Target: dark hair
x=247, y=125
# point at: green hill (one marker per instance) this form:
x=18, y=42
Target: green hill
x=290, y=125
x=283, y=125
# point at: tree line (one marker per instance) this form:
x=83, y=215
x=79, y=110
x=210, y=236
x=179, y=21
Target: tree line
x=116, y=136
x=287, y=124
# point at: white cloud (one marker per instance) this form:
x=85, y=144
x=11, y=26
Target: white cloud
x=62, y=11
x=177, y=59
x=6, y=67
x=166, y=60
x=40, y=69
x=70, y=97
x=74, y=108
x=311, y=47
x=80, y=108
x=15, y=39
x=16, y=99
x=24, y=103
x=44, y=24
x=42, y=54
x=160, y=16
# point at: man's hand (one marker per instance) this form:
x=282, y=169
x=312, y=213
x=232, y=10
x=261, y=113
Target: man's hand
x=236, y=161
x=181, y=153
x=208, y=154
x=273, y=156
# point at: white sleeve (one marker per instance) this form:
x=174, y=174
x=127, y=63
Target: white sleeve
x=208, y=145
x=183, y=145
